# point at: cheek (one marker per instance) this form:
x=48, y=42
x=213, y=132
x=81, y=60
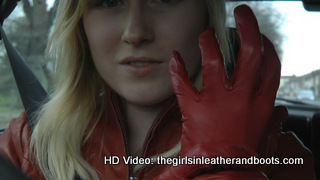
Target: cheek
x=103, y=39
x=184, y=39
x=101, y=30
x=182, y=34
x=191, y=54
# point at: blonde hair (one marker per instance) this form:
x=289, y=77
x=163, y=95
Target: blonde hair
x=217, y=20
x=74, y=101
x=56, y=148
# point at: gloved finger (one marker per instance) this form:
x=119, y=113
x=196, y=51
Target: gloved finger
x=279, y=115
x=180, y=81
x=246, y=73
x=214, y=74
x=268, y=144
x=271, y=70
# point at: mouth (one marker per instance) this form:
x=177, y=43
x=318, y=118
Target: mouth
x=141, y=66
x=140, y=61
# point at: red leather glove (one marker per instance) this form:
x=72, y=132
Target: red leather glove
x=228, y=117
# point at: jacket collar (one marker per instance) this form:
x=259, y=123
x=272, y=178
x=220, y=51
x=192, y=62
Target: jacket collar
x=110, y=137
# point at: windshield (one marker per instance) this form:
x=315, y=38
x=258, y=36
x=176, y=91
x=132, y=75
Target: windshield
x=293, y=30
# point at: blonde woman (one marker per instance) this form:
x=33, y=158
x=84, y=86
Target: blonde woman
x=122, y=92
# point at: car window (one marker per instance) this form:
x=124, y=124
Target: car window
x=295, y=35
x=293, y=30
x=10, y=103
x=28, y=33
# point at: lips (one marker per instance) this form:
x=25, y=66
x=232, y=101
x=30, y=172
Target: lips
x=140, y=63
x=141, y=66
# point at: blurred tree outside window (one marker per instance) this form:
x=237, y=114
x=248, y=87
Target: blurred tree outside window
x=28, y=28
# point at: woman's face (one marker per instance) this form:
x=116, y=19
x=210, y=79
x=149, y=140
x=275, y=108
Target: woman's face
x=131, y=43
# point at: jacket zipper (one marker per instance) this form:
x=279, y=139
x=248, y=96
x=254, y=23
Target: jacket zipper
x=130, y=168
x=155, y=122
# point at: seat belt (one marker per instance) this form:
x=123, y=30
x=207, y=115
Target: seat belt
x=31, y=91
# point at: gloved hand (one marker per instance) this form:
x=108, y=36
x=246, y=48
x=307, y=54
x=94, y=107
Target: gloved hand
x=228, y=117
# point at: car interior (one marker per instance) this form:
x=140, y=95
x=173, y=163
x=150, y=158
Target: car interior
x=299, y=92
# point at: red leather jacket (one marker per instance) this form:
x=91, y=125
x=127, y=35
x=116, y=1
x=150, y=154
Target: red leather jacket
x=109, y=139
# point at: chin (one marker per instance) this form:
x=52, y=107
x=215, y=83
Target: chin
x=147, y=99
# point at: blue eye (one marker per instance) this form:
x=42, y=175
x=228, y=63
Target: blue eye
x=110, y=3
x=166, y=2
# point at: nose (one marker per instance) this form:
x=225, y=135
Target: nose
x=137, y=30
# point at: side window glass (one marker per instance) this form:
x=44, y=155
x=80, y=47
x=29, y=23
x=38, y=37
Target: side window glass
x=295, y=35
x=28, y=28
